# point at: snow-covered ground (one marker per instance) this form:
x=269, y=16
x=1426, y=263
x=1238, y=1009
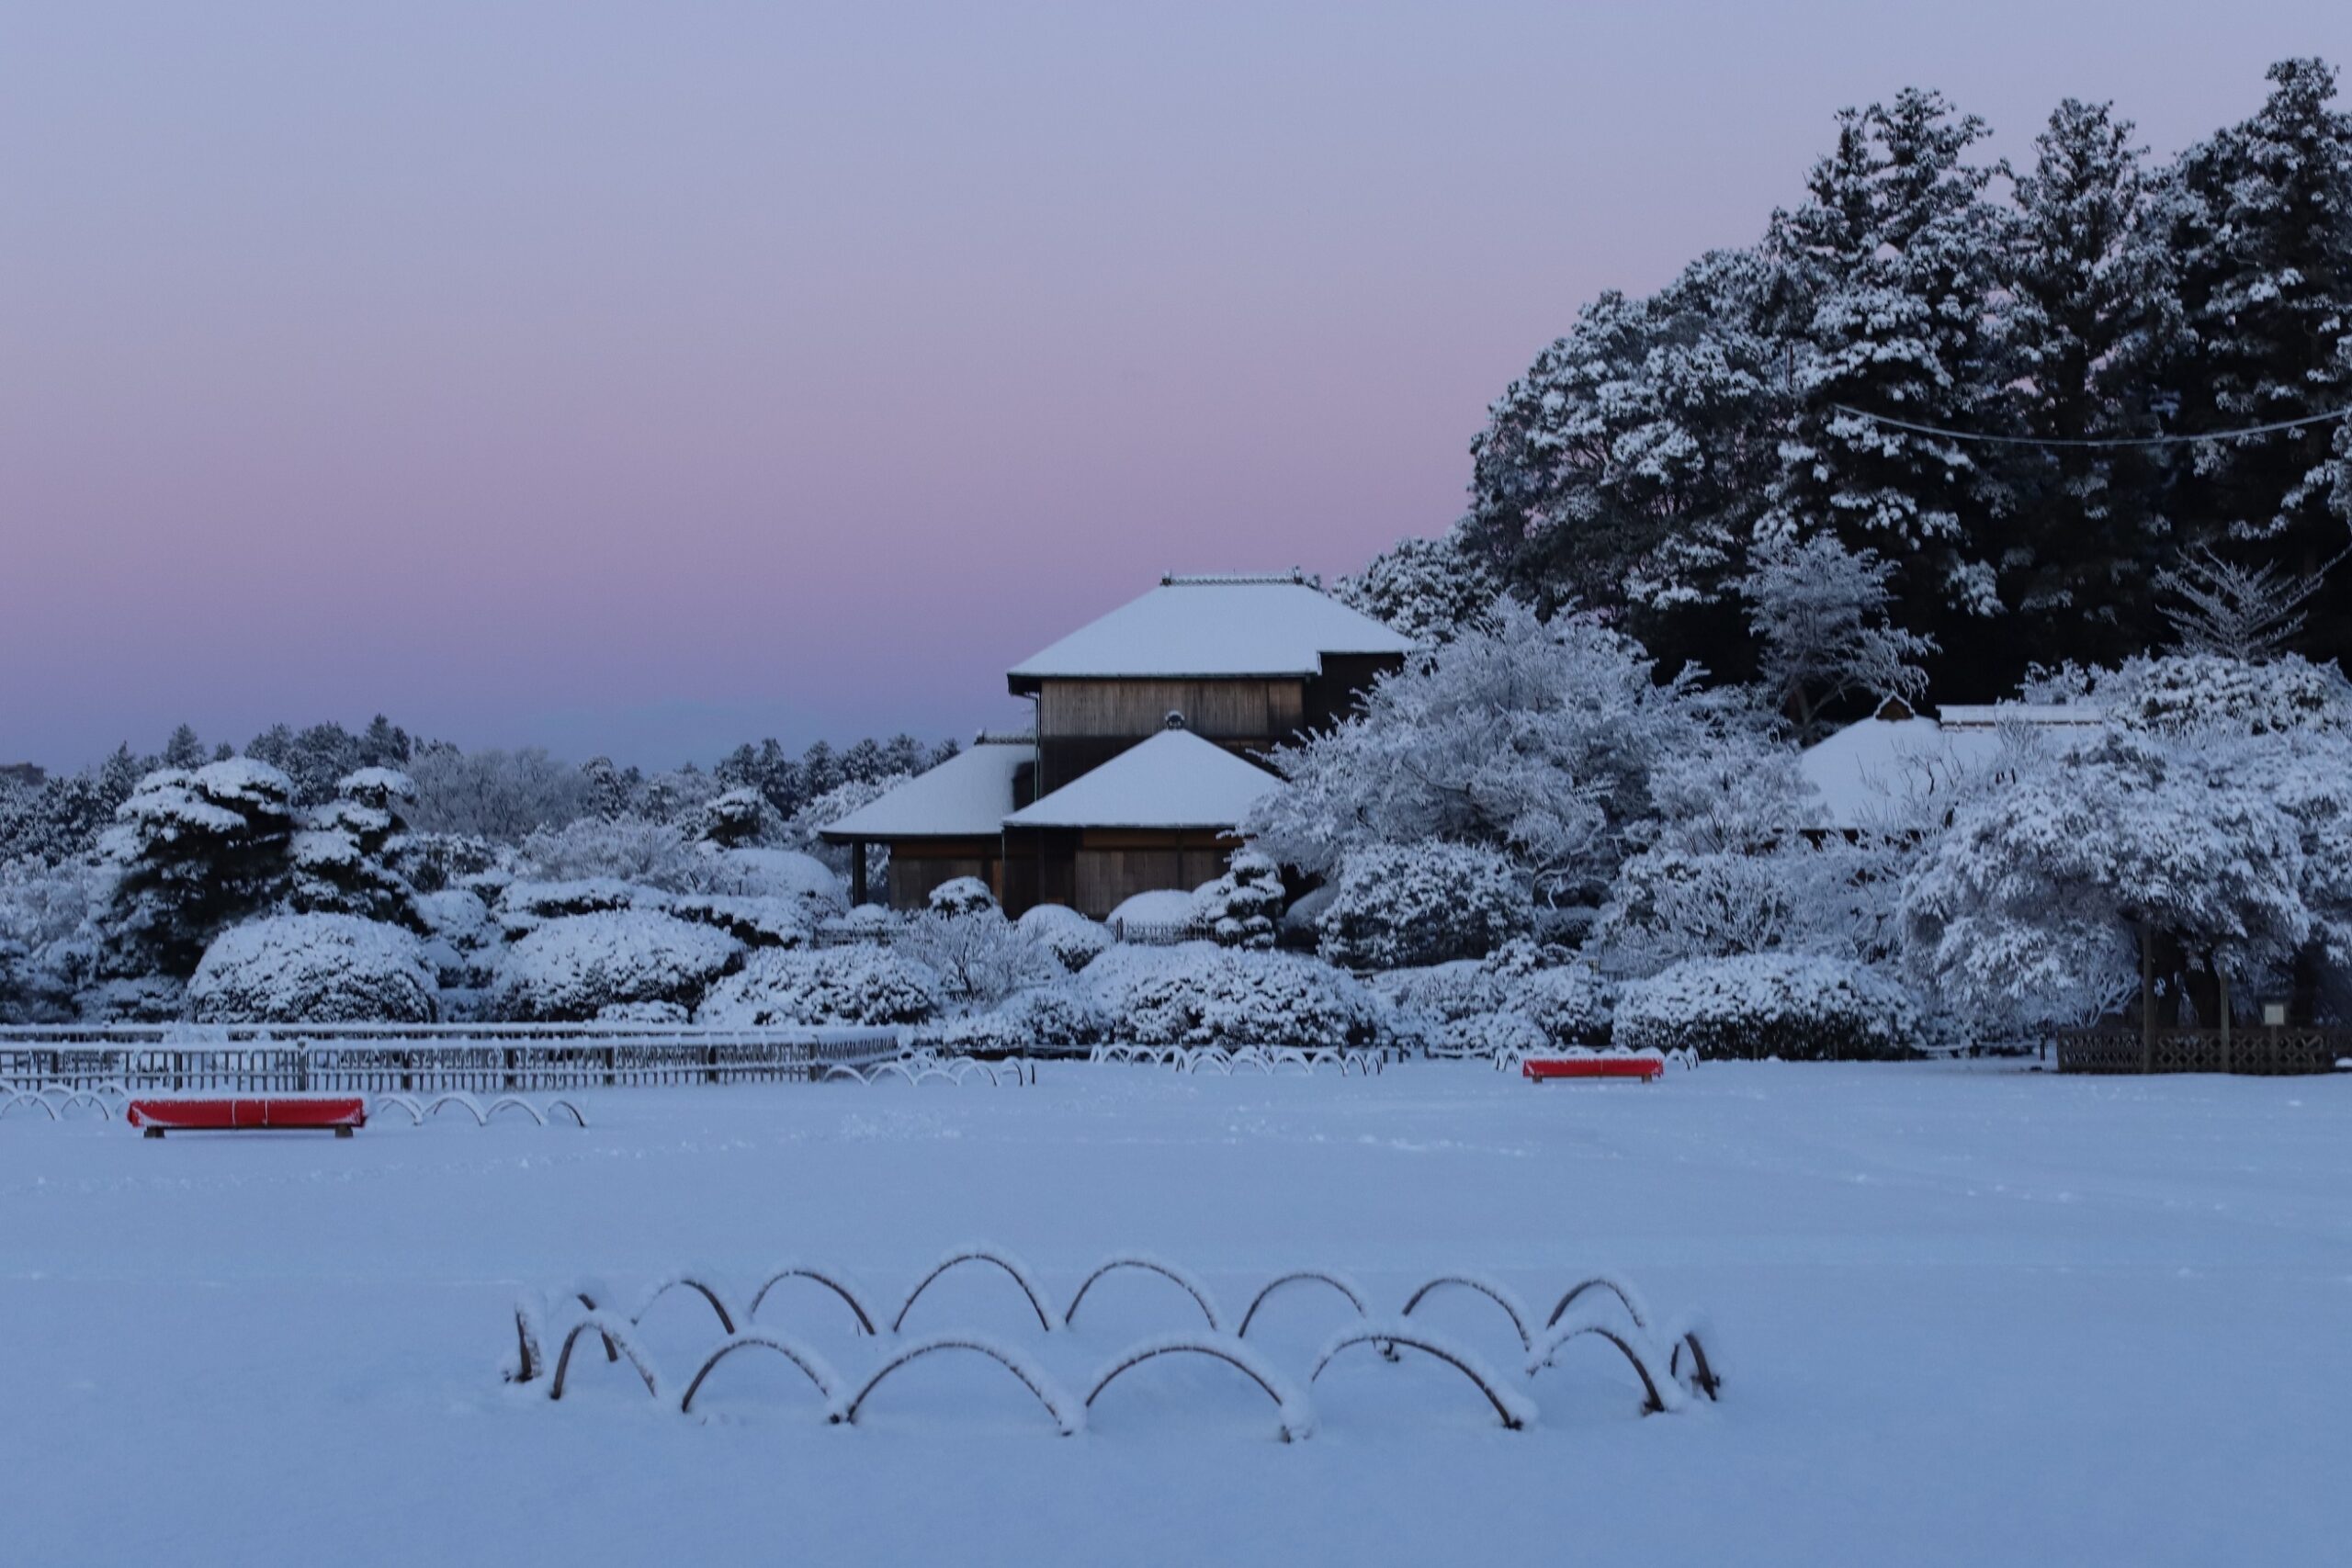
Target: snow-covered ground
x=1967, y=1315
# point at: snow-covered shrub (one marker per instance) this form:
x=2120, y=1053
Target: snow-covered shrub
x=498, y=795
x=1073, y=940
x=979, y=956
x=823, y=985
x=432, y=862
x=148, y=998
x=312, y=969
x=574, y=967
x=621, y=849
x=1561, y=998
x=1159, y=908
x=524, y=905
x=1241, y=907
x=48, y=942
x=462, y=945
x=1431, y=994
x=1566, y=999
x=756, y=871
x=867, y=922
x=642, y=1012
x=754, y=922
x=738, y=818
x=1770, y=1004
x=1483, y=1033
x=961, y=896
x=2190, y=691
x=1048, y=1018
x=1199, y=993
x=1415, y=904
x=2030, y=909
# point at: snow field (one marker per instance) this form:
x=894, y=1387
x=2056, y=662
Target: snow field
x=1977, y=1315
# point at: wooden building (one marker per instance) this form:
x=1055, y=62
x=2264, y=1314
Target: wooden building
x=1221, y=667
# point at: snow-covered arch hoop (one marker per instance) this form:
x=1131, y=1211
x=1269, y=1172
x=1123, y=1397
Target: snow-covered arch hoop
x=818, y=1370
x=687, y=1280
x=1012, y=1266
x=1658, y=1394
x=778, y=1275
x=1625, y=1294
x=1297, y=1416
x=1181, y=1279
x=617, y=1338
x=1487, y=1288
x=1510, y=1406
x=1068, y=1416
x=1299, y=1276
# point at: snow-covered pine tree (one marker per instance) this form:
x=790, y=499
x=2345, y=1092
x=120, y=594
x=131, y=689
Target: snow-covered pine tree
x=344, y=857
x=1624, y=470
x=1897, y=258
x=1425, y=588
x=191, y=852
x=2260, y=232
x=2094, y=328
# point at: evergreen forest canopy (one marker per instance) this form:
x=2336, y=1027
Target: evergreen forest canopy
x=1702, y=466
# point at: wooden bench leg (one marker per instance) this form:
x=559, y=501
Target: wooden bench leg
x=154, y=1132
x=343, y=1132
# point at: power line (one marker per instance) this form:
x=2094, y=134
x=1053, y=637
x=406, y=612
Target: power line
x=2097, y=441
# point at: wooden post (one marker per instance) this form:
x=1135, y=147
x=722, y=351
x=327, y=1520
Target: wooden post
x=2222, y=975
x=2147, y=998
x=857, y=873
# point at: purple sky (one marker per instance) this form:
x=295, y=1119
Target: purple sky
x=641, y=379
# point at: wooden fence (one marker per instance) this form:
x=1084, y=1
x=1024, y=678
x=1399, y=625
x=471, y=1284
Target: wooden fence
x=2261, y=1051
x=424, y=1059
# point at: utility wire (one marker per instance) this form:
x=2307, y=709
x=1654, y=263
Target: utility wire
x=2097, y=441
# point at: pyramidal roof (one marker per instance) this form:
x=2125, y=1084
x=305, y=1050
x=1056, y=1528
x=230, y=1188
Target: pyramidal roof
x=1214, y=627
x=1174, y=779
x=964, y=798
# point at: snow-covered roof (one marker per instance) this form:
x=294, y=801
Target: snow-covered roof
x=1884, y=772
x=1174, y=779
x=964, y=798
x=1212, y=627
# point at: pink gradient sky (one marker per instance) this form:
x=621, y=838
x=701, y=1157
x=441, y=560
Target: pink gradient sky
x=637, y=379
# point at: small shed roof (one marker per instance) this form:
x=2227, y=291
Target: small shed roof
x=1174, y=779
x=1891, y=772
x=964, y=798
x=1213, y=627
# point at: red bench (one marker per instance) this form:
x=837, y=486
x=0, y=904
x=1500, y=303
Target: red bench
x=276, y=1112
x=1538, y=1069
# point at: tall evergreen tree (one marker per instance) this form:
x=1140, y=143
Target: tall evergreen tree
x=2094, y=331
x=2261, y=230
x=1898, y=254
x=1625, y=469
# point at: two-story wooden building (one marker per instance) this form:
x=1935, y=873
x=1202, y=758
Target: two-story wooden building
x=1137, y=769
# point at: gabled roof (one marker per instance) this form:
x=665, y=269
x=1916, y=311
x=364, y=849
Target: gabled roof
x=1899, y=773
x=1174, y=779
x=1216, y=627
x=964, y=798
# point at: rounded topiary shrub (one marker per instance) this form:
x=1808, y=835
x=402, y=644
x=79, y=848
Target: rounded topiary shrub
x=961, y=896
x=1770, y=1004
x=1051, y=1018
x=312, y=969
x=1201, y=995
x=1073, y=940
x=575, y=967
x=1407, y=904
x=823, y=985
